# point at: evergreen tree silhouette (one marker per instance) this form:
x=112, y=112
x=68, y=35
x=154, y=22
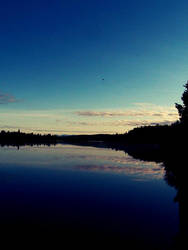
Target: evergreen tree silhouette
x=183, y=109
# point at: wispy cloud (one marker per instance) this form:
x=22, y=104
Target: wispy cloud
x=118, y=123
x=135, y=123
x=7, y=98
x=140, y=114
x=51, y=131
x=124, y=113
x=38, y=114
x=140, y=110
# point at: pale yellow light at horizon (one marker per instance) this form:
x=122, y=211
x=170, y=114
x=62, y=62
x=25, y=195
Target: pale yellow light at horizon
x=62, y=121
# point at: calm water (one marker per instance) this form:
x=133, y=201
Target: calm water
x=79, y=193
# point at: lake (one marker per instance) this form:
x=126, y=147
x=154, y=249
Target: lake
x=75, y=194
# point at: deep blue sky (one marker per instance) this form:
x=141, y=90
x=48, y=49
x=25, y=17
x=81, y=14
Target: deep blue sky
x=54, y=54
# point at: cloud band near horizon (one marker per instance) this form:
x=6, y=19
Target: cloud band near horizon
x=83, y=121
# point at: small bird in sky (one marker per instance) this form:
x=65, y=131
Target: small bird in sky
x=100, y=77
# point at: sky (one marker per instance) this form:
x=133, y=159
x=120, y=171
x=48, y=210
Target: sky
x=84, y=67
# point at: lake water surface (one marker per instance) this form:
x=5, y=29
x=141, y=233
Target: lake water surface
x=79, y=193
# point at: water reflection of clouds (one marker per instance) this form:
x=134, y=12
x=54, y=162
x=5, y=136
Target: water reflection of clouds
x=140, y=172
x=81, y=158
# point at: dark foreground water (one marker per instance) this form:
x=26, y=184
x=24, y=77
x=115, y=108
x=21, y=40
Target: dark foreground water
x=85, y=196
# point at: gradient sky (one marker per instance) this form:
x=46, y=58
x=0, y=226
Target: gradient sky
x=55, y=55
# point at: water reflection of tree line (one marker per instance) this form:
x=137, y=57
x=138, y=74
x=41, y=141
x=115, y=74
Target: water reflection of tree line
x=175, y=163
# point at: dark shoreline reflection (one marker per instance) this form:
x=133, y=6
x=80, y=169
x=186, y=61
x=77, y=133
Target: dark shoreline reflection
x=86, y=205
x=175, y=161
x=176, y=174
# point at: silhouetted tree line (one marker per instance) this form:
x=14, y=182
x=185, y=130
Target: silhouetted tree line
x=158, y=134
x=19, y=138
x=165, y=134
